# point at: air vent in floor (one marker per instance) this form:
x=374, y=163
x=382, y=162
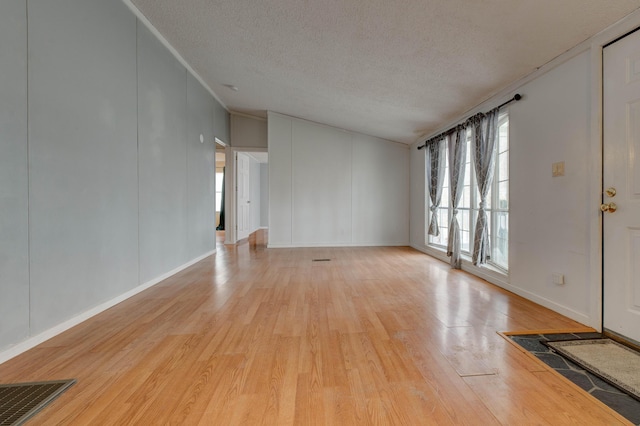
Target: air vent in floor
x=20, y=401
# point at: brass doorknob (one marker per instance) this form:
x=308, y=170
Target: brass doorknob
x=608, y=207
x=610, y=192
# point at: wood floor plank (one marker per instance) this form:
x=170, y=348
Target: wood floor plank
x=455, y=396
x=548, y=401
x=374, y=335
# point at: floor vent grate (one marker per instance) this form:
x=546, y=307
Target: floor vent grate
x=21, y=401
x=321, y=260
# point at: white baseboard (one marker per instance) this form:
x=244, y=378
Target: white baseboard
x=389, y=244
x=550, y=304
x=502, y=283
x=33, y=341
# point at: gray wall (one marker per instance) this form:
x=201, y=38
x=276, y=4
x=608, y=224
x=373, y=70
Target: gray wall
x=331, y=187
x=221, y=123
x=104, y=183
x=254, y=191
x=201, y=166
x=82, y=156
x=162, y=132
x=247, y=132
x=264, y=195
x=14, y=249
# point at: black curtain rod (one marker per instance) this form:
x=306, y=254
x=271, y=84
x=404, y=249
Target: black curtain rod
x=516, y=97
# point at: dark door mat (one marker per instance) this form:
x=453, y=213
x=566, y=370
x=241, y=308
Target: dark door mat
x=21, y=401
x=616, y=399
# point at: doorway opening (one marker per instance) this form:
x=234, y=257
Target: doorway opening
x=248, y=195
x=220, y=191
x=251, y=193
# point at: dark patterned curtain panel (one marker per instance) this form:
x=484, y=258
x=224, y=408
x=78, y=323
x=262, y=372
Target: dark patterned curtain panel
x=435, y=157
x=457, y=160
x=484, y=142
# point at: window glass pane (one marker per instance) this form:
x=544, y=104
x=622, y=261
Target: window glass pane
x=219, y=182
x=443, y=221
x=500, y=252
x=503, y=137
x=445, y=198
x=444, y=202
x=499, y=236
x=442, y=212
x=467, y=174
x=463, y=218
x=503, y=166
x=503, y=195
x=444, y=226
x=465, y=201
x=219, y=191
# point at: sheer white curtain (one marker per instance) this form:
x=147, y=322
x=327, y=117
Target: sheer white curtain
x=457, y=159
x=485, y=136
x=435, y=157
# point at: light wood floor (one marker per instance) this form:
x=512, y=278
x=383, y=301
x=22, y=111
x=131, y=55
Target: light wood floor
x=257, y=336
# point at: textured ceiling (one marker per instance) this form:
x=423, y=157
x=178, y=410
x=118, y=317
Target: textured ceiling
x=388, y=68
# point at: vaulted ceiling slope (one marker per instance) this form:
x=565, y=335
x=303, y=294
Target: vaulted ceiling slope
x=396, y=69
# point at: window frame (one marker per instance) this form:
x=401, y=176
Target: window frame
x=495, y=210
x=219, y=174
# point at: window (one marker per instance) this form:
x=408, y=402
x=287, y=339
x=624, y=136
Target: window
x=499, y=208
x=219, y=183
x=442, y=212
x=465, y=211
x=497, y=203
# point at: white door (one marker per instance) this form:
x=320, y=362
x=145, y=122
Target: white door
x=243, y=203
x=621, y=173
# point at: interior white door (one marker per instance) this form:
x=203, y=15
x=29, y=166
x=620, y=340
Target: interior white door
x=243, y=203
x=621, y=181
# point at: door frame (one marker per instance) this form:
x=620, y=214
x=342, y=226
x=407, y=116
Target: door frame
x=231, y=236
x=596, y=283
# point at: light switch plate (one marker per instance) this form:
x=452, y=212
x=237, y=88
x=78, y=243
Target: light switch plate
x=557, y=169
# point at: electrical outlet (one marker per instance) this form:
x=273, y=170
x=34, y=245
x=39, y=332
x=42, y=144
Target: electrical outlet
x=558, y=279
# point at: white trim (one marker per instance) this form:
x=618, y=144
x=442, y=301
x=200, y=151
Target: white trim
x=350, y=132
x=245, y=115
x=229, y=196
x=171, y=49
x=580, y=317
x=498, y=280
x=594, y=197
x=488, y=273
x=360, y=244
x=31, y=342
